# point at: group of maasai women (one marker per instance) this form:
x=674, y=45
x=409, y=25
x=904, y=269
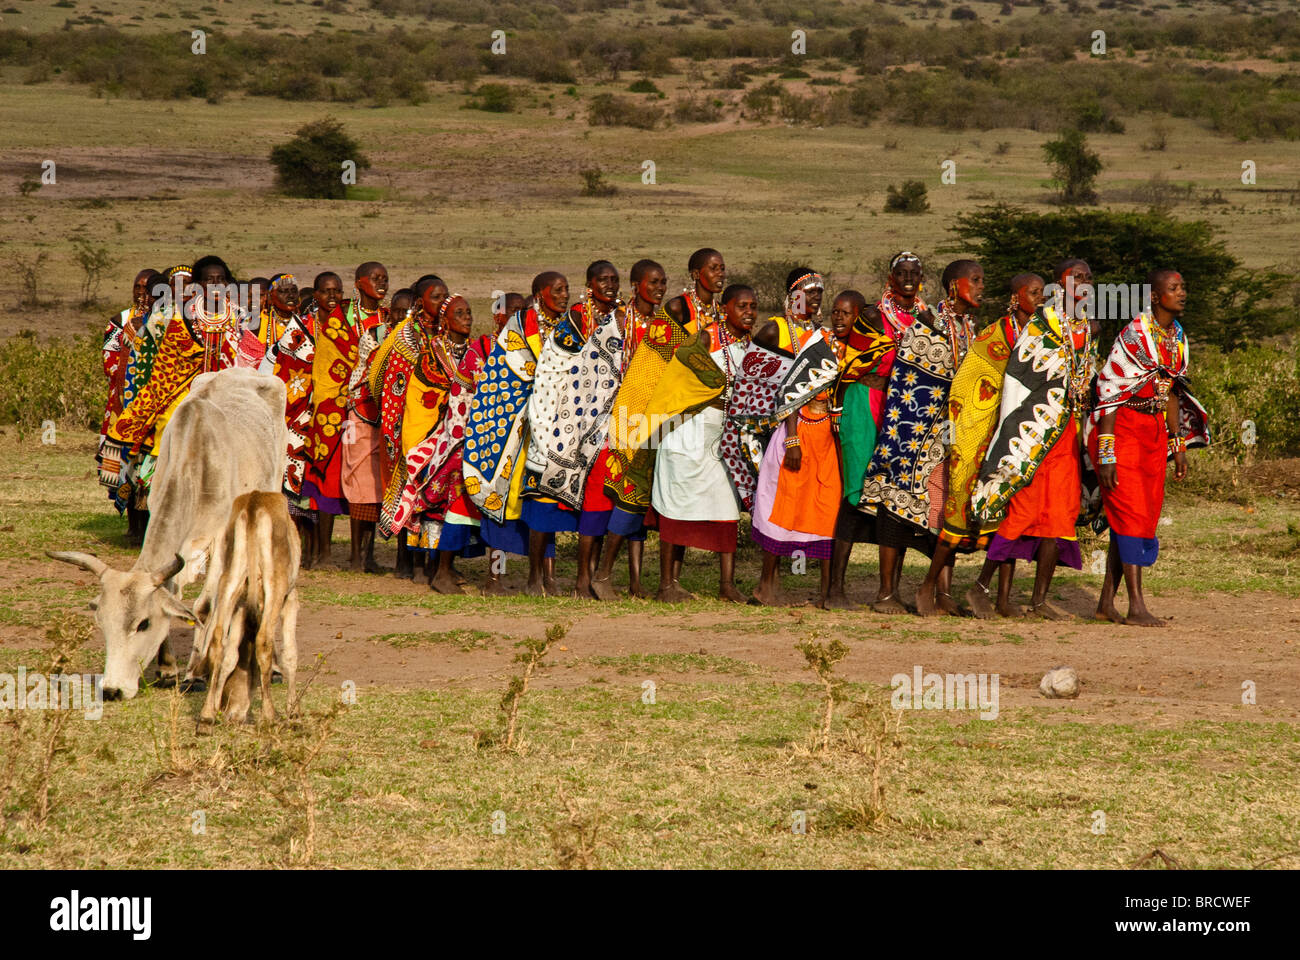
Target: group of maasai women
x=899, y=424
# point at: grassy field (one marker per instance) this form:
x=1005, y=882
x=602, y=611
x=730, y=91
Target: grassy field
x=487, y=200
x=716, y=772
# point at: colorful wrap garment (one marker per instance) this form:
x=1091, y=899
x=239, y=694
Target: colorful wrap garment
x=434, y=494
x=571, y=438
x=362, y=473
x=1044, y=394
x=181, y=356
x=795, y=510
x=905, y=475
x=684, y=475
x=973, y=408
x=1135, y=382
x=413, y=375
x=751, y=417
x=553, y=401
x=337, y=341
x=134, y=471
x=859, y=399
x=629, y=426
x=496, y=436
x=120, y=337
x=290, y=359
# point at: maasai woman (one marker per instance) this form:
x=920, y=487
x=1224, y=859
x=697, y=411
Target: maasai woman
x=970, y=428
x=290, y=359
x=429, y=294
x=279, y=310
x=973, y=407
x=904, y=480
x=673, y=325
x=691, y=492
x=1029, y=486
x=649, y=285
x=1145, y=416
x=505, y=307
x=205, y=338
x=362, y=480
x=578, y=375
x=120, y=338
x=858, y=403
x=798, y=493
x=496, y=440
x=170, y=298
x=433, y=504
x=338, y=340
x=573, y=385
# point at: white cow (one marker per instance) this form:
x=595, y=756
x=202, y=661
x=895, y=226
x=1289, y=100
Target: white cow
x=227, y=437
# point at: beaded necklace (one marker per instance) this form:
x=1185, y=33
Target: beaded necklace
x=892, y=311
x=210, y=329
x=959, y=328
x=1167, y=344
x=713, y=312
x=634, y=325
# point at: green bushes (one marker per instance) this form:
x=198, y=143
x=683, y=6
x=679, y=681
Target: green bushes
x=607, y=110
x=59, y=380
x=1253, y=398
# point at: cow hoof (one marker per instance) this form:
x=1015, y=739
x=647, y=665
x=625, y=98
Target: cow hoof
x=194, y=685
x=165, y=682
x=203, y=727
x=277, y=676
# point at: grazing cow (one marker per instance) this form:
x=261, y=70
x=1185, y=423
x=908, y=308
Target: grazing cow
x=226, y=437
x=255, y=572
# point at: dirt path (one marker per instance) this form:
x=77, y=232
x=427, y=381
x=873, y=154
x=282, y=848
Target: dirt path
x=1195, y=668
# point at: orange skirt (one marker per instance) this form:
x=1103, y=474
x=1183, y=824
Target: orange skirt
x=1049, y=506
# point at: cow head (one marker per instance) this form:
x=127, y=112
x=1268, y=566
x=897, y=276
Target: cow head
x=133, y=611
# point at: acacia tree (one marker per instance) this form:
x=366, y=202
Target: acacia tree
x=312, y=163
x=1074, y=167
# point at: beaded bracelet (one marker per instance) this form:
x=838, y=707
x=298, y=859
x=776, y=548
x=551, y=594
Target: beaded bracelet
x=1106, y=449
x=1177, y=445
x=791, y=442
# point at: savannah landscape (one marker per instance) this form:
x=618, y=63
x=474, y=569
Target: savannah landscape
x=652, y=735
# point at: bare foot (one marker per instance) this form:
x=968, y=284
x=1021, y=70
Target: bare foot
x=1108, y=614
x=888, y=605
x=492, y=588
x=445, y=583
x=673, y=593
x=765, y=598
x=603, y=589
x=405, y=571
x=1049, y=611
x=836, y=600
x=947, y=605
x=552, y=588
x=1011, y=609
x=1143, y=619
x=730, y=594
x=534, y=589
x=980, y=604
x=636, y=592
x=926, y=602
x=357, y=565
x=372, y=567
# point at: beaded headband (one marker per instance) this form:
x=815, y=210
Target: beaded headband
x=905, y=257
x=810, y=281
x=442, y=307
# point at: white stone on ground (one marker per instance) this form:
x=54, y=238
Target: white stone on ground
x=1062, y=682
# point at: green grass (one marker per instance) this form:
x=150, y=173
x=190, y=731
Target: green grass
x=643, y=664
x=461, y=639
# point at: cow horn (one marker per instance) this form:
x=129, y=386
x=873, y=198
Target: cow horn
x=169, y=571
x=84, y=560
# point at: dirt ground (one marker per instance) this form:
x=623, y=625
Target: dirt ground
x=1195, y=668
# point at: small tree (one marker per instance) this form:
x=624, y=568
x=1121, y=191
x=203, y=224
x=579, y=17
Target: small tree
x=312, y=163
x=95, y=261
x=909, y=198
x=1074, y=167
x=594, y=183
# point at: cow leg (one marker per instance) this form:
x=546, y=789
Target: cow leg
x=167, y=668
x=226, y=627
x=237, y=682
x=272, y=609
x=289, y=648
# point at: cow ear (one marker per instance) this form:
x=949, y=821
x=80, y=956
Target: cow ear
x=174, y=607
x=84, y=560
